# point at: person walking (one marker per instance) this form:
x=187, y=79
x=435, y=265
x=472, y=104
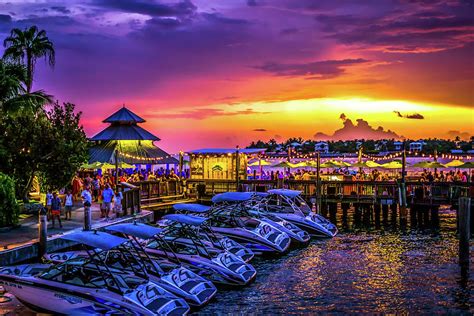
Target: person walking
x=68, y=203
x=49, y=198
x=56, y=209
x=107, y=196
x=95, y=188
x=118, y=202
x=87, y=202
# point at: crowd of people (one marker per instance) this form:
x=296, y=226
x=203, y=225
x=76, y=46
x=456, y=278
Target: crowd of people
x=368, y=175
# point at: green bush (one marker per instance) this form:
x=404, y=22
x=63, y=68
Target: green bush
x=9, y=209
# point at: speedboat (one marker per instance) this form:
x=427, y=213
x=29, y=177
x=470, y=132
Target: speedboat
x=227, y=219
x=216, y=264
x=130, y=257
x=207, y=234
x=84, y=287
x=296, y=234
x=290, y=206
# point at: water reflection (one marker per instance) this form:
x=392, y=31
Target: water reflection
x=374, y=265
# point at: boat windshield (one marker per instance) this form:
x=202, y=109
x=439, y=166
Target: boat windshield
x=302, y=205
x=85, y=274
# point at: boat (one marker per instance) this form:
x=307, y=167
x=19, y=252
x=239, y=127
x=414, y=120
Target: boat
x=235, y=222
x=130, y=257
x=217, y=240
x=84, y=287
x=216, y=264
x=289, y=205
x=298, y=236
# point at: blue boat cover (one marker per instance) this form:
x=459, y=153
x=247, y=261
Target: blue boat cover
x=186, y=219
x=285, y=192
x=262, y=194
x=232, y=197
x=96, y=239
x=139, y=230
x=191, y=207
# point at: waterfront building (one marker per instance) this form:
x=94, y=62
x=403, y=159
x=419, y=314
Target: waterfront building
x=321, y=147
x=220, y=163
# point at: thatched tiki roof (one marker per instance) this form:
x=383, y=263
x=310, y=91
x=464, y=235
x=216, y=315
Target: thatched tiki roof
x=134, y=144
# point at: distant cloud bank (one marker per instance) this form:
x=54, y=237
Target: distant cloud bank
x=360, y=130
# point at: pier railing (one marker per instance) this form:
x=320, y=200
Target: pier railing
x=131, y=202
x=156, y=192
x=370, y=191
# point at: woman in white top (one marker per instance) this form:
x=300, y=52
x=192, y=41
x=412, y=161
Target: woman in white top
x=68, y=203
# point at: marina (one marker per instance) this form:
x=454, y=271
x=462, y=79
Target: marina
x=252, y=157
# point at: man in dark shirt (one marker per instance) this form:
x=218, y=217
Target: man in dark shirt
x=56, y=209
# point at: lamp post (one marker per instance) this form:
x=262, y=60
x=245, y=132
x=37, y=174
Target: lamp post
x=181, y=162
x=318, y=182
x=403, y=192
x=116, y=167
x=237, y=166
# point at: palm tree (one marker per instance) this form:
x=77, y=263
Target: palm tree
x=26, y=47
x=13, y=94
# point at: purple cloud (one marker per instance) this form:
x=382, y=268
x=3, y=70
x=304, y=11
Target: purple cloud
x=315, y=70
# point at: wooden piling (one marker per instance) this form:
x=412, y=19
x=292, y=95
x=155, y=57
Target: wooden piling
x=464, y=230
x=42, y=232
x=87, y=218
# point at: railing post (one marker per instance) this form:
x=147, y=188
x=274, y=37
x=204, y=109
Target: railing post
x=139, y=207
x=464, y=230
x=125, y=203
x=42, y=232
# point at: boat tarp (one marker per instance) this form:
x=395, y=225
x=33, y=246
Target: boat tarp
x=191, y=207
x=96, y=239
x=232, y=197
x=186, y=219
x=285, y=192
x=139, y=230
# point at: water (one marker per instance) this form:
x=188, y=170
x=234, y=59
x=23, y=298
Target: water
x=369, y=267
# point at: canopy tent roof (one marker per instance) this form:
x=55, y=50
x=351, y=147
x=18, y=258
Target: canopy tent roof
x=191, y=207
x=284, y=164
x=285, y=192
x=260, y=163
x=139, y=230
x=96, y=239
x=231, y=197
x=124, y=132
x=131, y=152
x=366, y=164
x=394, y=164
x=124, y=115
x=330, y=164
x=186, y=219
x=467, y=165
x=224, y=151
x=429, y=164
x=454, y=163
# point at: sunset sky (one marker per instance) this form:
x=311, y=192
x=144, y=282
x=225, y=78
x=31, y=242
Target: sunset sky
x=225, y=72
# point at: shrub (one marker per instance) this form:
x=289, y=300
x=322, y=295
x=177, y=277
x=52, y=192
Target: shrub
x=9, y=209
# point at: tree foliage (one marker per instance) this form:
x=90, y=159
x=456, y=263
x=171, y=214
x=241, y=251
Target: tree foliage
x=26, y=46
x=52, y=145
x=9, y=209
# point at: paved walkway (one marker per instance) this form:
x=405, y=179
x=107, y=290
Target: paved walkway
x=28, y=231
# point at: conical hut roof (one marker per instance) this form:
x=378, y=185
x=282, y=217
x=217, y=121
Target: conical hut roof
x=124, y=115
x=124, y=132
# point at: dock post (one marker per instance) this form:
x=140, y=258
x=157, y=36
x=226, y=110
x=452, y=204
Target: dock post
x=88, y=218
x=42, y=232
x=464, y=230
